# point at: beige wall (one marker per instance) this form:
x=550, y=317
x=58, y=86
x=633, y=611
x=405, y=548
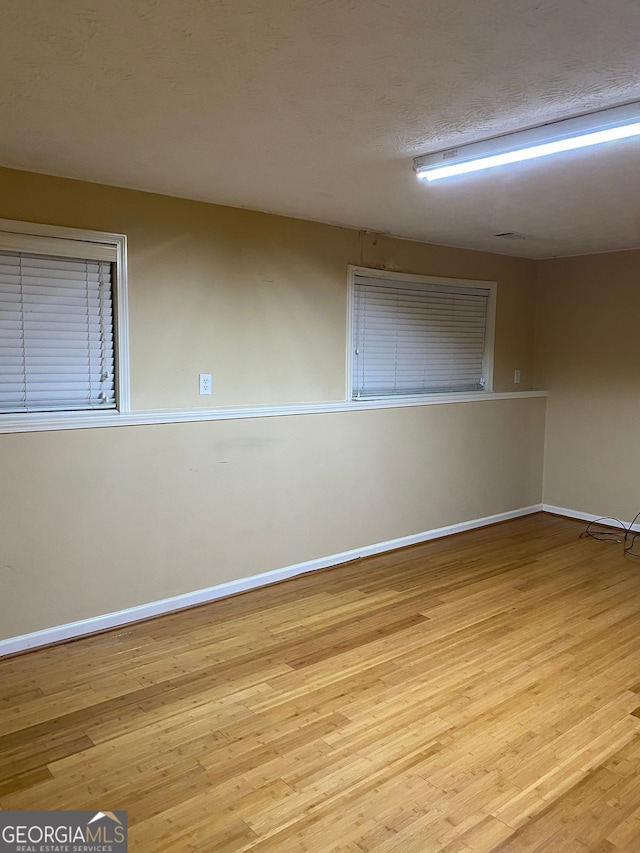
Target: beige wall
x=99, y=520
x=588, y=356
x=259, y=301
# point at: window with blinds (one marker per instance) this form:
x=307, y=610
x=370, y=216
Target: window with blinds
x=57, y=341
x=413, y=335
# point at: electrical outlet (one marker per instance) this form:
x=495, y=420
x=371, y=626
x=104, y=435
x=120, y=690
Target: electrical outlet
x=516, y=377
x=205, y=383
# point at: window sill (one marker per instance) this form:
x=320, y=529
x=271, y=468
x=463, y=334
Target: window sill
x=45, y=421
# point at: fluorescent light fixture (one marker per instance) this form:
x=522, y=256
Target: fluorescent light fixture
x=567, y=135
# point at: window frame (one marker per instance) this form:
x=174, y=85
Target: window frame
x=40, y=236
x=391, y=276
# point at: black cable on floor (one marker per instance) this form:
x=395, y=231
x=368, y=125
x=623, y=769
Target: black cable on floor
x=626, y=537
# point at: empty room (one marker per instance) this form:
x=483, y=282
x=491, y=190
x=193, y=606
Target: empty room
x=319, y=423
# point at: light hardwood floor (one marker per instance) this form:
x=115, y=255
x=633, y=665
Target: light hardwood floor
x=477, y=693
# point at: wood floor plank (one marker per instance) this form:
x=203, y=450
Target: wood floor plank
x=472, y=694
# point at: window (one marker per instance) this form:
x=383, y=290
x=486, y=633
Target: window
x=63, y=336
x=415, y=335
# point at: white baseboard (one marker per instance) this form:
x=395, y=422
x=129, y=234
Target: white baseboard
x=587, y=516
x=96, y=624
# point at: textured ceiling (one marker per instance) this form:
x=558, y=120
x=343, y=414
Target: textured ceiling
x=315, y=108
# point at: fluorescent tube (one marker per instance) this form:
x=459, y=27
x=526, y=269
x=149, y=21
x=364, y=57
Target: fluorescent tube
x=567, y=135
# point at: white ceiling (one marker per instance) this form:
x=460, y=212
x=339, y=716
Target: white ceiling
x=316, y=108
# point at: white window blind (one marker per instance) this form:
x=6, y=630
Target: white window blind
x=56, y=333
x=414, y=337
